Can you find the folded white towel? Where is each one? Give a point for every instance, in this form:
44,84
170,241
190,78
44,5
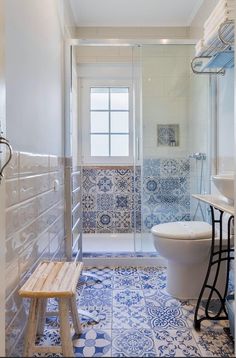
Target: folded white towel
224,17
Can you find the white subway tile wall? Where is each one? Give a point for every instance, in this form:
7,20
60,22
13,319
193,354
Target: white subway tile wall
34,226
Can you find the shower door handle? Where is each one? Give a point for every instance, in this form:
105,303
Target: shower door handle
5,142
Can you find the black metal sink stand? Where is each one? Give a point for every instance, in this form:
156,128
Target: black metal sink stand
217,256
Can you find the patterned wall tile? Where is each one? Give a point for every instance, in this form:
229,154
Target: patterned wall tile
160,194
169,168
105,221
105,181
122,221
89,202
123,181
123,202
89,180
89,221
151,167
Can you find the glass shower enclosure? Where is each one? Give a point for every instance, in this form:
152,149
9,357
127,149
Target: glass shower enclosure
171,155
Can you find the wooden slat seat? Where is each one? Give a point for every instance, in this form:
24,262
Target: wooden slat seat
52,280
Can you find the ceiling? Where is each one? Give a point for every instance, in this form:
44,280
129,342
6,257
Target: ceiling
136,13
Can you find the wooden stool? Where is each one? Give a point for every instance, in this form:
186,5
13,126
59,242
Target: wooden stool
52,280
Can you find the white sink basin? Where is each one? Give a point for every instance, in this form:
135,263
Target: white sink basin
225,184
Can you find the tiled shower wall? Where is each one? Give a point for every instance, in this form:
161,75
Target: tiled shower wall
166,191
114,200
109,195
35,228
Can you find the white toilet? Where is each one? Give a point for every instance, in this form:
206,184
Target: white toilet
186,247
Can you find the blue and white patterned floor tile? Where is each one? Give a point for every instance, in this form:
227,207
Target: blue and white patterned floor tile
126,278
93,343
133,343
128,298
138,318
214,343
130,317
176,343
92,297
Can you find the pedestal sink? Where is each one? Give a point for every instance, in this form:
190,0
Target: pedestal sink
225,184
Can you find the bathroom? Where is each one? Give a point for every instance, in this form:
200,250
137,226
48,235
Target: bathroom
64,195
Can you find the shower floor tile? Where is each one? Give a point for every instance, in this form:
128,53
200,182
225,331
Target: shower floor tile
138,318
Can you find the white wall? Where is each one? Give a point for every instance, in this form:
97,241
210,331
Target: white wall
165,86
34,76
226,122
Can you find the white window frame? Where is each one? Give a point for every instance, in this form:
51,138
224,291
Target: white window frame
86,85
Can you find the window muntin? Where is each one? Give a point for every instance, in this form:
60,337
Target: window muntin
109,121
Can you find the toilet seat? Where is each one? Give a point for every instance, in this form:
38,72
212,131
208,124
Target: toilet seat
183,230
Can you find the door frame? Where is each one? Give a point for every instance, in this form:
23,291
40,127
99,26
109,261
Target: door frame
2,185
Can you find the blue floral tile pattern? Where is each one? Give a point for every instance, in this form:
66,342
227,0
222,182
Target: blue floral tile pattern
130,317
105,202
128,298
137,322
126,279
96,298
133,343
104,221
162,186
122,221
166,317
93,343
213,343
89,202
179,343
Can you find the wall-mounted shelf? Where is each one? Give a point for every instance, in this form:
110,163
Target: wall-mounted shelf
218,54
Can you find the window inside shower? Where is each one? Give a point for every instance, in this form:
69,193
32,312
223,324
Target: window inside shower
160,121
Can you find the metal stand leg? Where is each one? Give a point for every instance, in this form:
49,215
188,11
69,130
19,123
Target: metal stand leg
217,256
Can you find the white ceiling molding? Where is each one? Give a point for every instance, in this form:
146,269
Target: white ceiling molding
134,13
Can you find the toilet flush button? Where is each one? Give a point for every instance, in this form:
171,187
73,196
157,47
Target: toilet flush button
56,185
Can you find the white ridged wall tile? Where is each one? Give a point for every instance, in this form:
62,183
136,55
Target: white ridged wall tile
12,192
34,217
12,221
12,169
33,164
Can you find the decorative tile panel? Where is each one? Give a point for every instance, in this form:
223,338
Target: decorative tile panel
160,195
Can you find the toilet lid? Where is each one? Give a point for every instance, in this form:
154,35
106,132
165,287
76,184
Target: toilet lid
183,230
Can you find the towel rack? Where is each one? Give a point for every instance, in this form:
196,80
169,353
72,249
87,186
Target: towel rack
223,42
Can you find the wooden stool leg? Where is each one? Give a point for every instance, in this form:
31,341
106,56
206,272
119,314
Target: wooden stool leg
42,316
31,328
75,316
66,341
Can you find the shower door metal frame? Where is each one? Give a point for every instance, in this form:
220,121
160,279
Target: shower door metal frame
135,43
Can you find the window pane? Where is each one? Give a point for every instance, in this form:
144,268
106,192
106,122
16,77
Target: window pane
99,98
99,122
120,98
120,122
99,145
120,145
